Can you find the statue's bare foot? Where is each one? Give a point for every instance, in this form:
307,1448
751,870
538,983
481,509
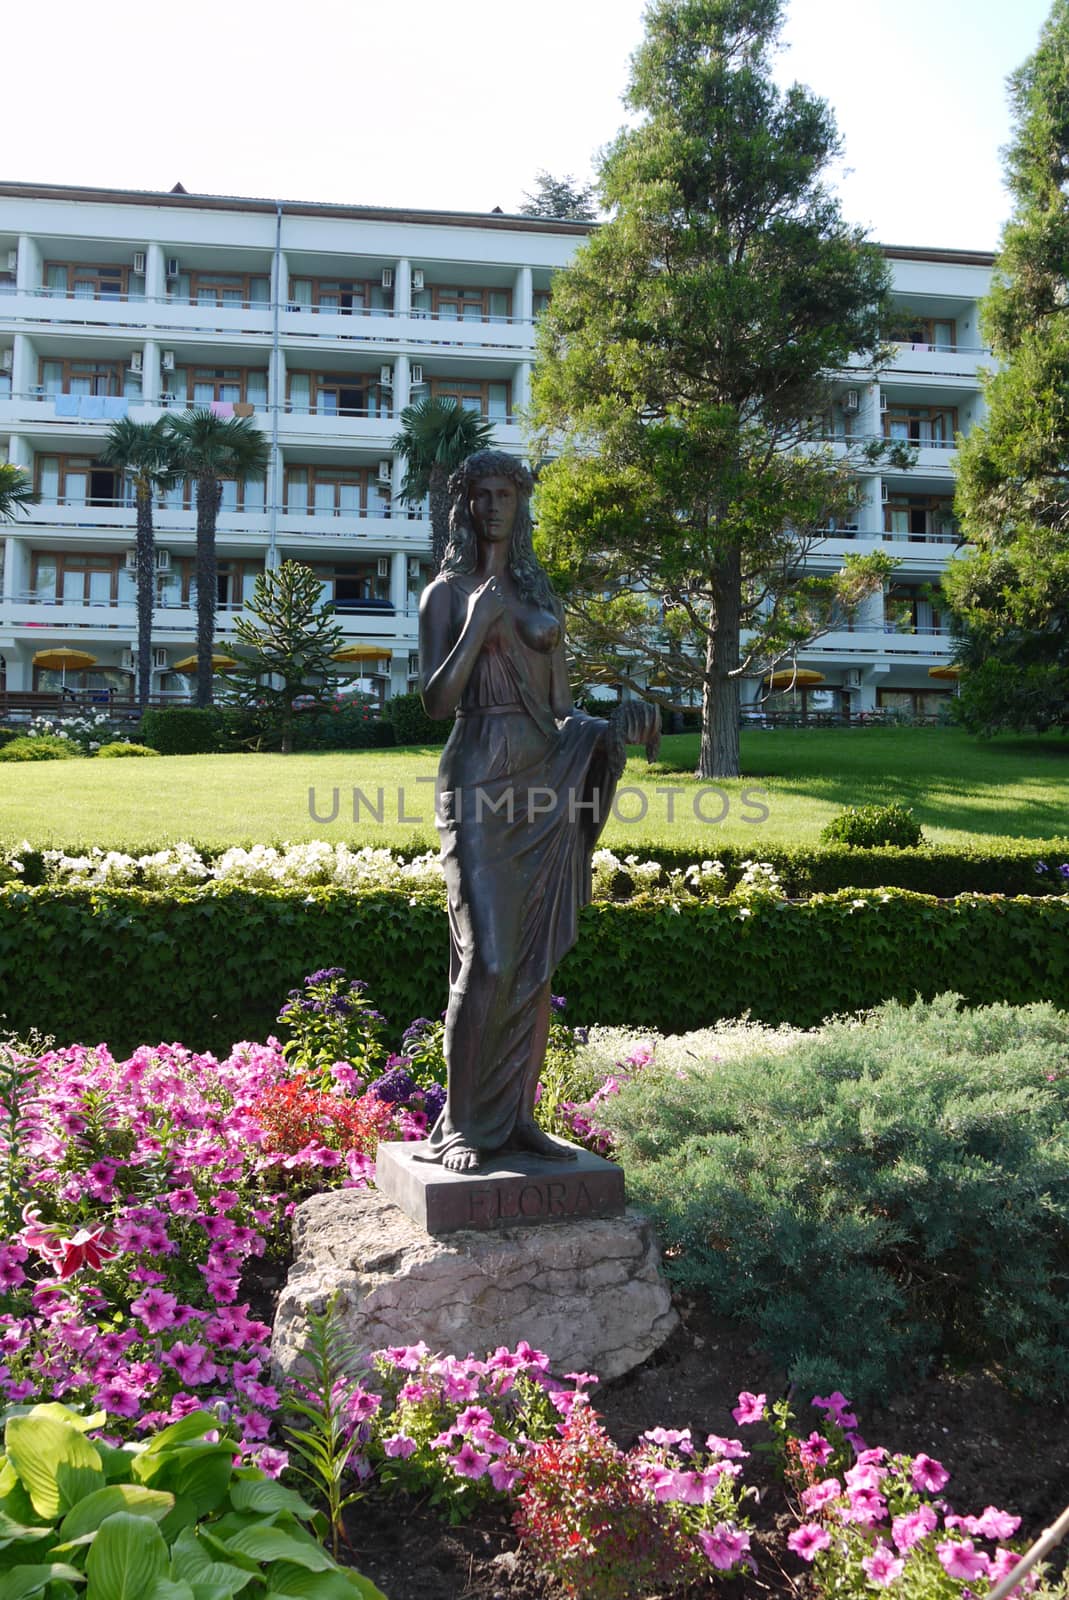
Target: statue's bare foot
529,1136
462,1158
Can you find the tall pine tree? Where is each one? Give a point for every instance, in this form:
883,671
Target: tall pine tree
1011,595
683,369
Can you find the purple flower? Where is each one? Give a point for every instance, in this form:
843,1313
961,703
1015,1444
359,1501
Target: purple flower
398,1445
557,1003
395,1086
324,975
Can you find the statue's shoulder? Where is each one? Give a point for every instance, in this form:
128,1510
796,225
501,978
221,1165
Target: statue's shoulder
438,596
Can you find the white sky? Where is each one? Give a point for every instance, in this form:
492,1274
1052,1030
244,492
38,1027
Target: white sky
456,106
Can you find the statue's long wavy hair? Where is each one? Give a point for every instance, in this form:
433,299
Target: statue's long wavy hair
461,553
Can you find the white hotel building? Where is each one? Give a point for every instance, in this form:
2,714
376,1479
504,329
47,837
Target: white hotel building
323,322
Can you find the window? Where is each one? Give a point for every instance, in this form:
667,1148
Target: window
109,378
462,305
492,400
74,281
924,333
328,492
340,296
325,394
217,386
79,481
75,578
912,608
235,582
355,587
221,289
928,427
420,574
921,518
539,301
916,702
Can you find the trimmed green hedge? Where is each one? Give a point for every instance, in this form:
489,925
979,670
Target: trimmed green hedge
210,966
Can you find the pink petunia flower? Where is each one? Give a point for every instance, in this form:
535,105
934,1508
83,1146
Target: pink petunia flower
726,1546
883,1566
751,1408
271,1461
910,1529
928,1474
960,1560
469,1462
820,1494
399,1446
155,1308
808,1540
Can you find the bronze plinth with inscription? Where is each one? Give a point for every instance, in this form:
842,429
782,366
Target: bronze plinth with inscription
509,1190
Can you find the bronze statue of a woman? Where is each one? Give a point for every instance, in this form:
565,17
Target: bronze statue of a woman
525,785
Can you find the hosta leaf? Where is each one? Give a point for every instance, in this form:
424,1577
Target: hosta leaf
271,1544
265,1495
20,1582
89,1513
190,1560
297,1583
126,1558
56,1463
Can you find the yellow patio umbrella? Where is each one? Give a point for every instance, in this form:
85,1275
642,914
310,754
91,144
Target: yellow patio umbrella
62,657
219,663
802,679
362,652
950,671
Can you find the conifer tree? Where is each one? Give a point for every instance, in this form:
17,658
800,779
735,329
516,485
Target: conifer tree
288,643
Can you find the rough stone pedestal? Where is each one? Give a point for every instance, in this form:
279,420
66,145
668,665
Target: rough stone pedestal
590,1293
509,1190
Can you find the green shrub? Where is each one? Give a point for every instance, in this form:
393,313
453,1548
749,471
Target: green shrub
6,735
119,748
209,965
173,1517
411,724
347,726
875,1199
183,730
867,827
45,747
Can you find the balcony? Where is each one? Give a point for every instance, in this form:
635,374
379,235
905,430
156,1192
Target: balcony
884,643
939,360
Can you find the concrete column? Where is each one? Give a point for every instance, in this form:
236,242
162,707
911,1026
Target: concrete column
150,372
870,509
523,296
16,569
20,451
7,590
402,287
280,286
28,271
399,583
155,274
521,387
19,671
402,388
23,365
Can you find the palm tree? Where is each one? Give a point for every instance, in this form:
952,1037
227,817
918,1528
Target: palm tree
144,451
210,448
435,437
17,492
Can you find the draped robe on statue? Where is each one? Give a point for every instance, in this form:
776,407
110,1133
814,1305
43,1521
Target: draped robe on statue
522,799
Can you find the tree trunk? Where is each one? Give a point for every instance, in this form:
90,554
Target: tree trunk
718,756
209,493
145,552
439,494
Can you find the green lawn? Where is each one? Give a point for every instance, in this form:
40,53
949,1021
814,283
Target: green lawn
958,787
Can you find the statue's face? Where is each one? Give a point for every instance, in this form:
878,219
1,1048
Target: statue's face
492,502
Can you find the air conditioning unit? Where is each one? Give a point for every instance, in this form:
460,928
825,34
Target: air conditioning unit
12,261
174,267
137,361
384,567
387,277
386,377
163,561
418,279
385,474
851,400
7,360
167,361
129,661
883,402
139,263
885,493
852,678
415,375
131,561
159,658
